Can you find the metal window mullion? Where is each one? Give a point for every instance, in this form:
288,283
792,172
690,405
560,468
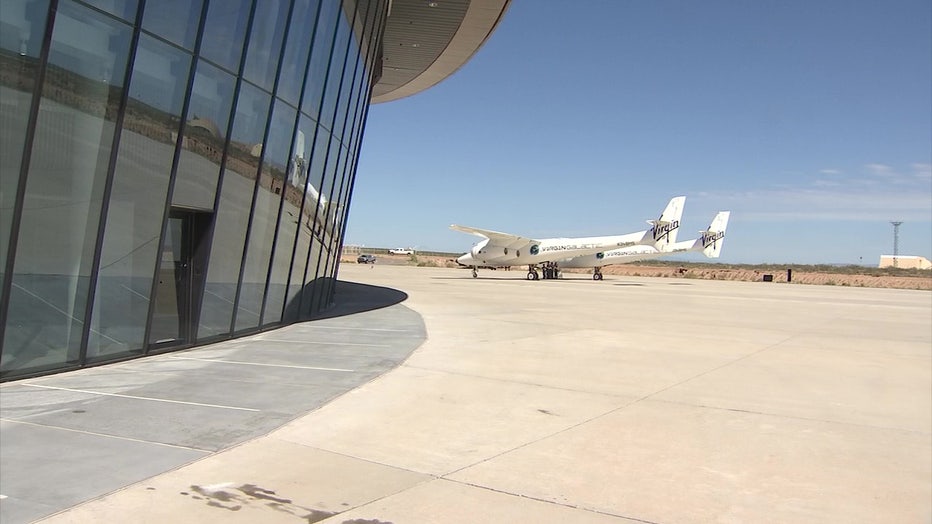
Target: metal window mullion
363,99
313,140
20,199
320,106
333,259
346,53
281,200
239,79
255,189
237,88
108,189
176,158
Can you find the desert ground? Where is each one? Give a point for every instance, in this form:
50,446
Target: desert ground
814,275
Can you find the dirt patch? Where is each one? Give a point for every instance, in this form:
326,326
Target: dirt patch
706,272
753,275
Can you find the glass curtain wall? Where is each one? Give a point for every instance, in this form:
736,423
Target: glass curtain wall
172,166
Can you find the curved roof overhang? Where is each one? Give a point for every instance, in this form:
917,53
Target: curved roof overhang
426,41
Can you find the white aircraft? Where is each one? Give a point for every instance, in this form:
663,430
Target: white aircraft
709,243
504,249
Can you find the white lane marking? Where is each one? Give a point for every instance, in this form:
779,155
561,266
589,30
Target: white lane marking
93,433
2,497
141,398
322,343
261,364
364,329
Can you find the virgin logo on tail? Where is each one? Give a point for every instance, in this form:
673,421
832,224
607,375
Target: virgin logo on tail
661,231
710,236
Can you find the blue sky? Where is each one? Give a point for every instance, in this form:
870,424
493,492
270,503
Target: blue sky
810,121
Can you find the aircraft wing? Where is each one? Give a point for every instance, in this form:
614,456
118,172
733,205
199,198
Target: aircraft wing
498,238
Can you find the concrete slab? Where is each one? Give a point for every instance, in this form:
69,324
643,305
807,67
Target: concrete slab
663,462
73,437
436,423
264,481
630,399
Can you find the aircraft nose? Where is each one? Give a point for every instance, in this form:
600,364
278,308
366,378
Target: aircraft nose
466,260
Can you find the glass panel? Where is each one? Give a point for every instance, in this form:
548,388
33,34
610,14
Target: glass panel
339,208
305,221
170,292
225,31
173,20
21,26
324,225
137,200
265,217
312,219
320,57
347,86
335,72
288,221
68,170
265,42
125,9
202,146
239,178
296,49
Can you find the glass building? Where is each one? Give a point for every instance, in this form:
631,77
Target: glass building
177,172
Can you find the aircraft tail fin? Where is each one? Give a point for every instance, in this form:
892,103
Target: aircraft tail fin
664,229
713,238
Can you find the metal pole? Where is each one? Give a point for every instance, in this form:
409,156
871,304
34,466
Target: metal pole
896,242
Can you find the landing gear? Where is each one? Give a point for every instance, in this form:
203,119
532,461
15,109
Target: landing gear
548,270
475,273
597,273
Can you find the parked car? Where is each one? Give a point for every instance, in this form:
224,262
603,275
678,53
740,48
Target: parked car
366,259
401,251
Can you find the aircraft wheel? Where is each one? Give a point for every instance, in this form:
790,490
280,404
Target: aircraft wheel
597,276
532,275
475,273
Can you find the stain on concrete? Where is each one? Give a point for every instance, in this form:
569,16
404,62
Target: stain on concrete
317,515
258,493
233,497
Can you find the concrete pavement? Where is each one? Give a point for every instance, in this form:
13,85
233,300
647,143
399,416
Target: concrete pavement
626,400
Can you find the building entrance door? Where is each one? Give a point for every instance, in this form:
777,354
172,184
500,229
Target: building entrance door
180,280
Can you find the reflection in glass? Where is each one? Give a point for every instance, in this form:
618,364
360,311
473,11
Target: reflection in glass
288,221
202,145
125,9
65,184
303,220
239,179
335,72
264,217
137,200
22,23
297,47
283,186
320,58
348,85
323,223
265,42
174,20
224,32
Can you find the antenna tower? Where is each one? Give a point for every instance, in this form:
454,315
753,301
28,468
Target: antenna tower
896,242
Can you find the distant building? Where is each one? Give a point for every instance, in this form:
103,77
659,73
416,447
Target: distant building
905,262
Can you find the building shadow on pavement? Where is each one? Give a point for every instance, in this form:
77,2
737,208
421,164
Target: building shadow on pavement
351,297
